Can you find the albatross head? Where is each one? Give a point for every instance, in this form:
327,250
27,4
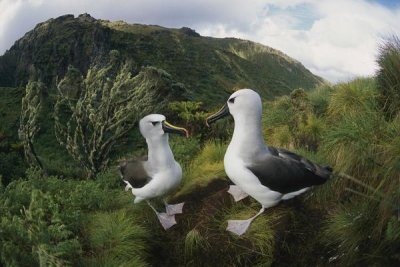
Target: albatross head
154,126
244,103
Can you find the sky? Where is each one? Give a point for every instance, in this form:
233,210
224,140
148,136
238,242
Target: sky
335,39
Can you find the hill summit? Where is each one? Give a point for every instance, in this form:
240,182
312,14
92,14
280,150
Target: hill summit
207,67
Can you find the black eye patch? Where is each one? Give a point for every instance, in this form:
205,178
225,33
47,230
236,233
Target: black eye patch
155,123
232,100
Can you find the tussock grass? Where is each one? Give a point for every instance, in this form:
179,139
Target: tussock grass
350,231
351,144
260,236
196,245
355,97
320,98
205,167
388,76
115,239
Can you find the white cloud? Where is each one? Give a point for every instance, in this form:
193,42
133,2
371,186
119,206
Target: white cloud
8,10
341,42
334,39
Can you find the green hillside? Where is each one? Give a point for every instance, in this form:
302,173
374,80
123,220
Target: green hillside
208,67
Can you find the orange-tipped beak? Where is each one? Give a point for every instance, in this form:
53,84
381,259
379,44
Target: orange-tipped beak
169,128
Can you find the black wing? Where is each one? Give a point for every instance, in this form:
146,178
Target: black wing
134,172
284,171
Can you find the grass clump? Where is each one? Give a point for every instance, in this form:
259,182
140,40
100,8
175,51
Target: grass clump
388,76
115,239
257,246
205,167
196,245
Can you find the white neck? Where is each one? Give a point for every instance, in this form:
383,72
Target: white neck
247,140
159,152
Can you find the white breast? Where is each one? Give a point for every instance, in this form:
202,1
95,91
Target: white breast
236,170
163,181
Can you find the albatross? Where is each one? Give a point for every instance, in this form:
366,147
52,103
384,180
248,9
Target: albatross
266,173
160,173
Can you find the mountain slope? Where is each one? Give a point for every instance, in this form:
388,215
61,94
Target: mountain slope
208,67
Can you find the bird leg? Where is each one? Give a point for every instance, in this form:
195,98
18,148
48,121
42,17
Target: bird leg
239,227
167,221
237,193
173,209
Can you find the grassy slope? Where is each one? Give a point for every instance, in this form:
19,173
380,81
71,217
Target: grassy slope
209,66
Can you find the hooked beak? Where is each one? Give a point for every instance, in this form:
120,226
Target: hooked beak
223,112
169,128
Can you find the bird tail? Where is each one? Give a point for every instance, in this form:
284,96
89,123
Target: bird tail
328,168
121,168
324,172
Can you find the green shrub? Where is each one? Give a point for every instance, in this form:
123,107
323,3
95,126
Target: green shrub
184,149
319,99
42,217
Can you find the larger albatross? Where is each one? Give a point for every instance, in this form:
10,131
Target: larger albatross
160,173
266,173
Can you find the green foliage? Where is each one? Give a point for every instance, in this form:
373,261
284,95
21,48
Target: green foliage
43,219
55,221
388,76
352,230
111,100
256,246
12,163
195,246
37,234
355,97
29,120
11,166
351,134
319,99
207,66
346,227
205,167
351,143
190,113
115,239
184,149
290,122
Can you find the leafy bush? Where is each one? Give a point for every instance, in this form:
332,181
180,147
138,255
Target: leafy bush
184,149
43,218
12,166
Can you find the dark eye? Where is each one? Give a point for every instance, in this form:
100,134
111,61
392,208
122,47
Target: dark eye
232,100
155,123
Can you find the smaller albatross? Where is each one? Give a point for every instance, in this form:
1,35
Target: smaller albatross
267,174
160,173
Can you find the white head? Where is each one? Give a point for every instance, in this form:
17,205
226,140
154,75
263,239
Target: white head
154,126
243,104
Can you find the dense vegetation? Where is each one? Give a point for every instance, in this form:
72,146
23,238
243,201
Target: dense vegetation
58,213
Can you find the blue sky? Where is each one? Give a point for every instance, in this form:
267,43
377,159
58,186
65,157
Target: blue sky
387,3
336,39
